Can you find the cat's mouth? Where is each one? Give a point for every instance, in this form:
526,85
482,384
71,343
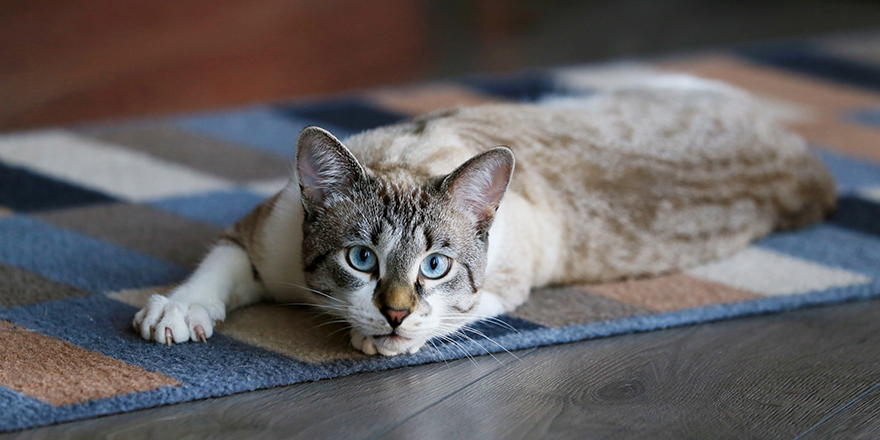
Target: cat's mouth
393,336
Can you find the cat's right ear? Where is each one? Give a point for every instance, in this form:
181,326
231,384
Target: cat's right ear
479,184
324,166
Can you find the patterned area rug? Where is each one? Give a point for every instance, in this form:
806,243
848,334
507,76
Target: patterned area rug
93,219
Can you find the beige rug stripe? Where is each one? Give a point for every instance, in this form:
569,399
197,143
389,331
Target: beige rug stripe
4,211
670,293
416,100
791,87
562,306
61,373
298,332
829,131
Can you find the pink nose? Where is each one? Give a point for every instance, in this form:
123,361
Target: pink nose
395,316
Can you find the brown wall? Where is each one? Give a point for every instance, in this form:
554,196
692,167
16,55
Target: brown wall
65,61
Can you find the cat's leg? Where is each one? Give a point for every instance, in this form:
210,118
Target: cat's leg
225,280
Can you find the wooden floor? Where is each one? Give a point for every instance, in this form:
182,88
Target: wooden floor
811,374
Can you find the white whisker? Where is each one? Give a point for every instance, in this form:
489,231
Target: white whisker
481,334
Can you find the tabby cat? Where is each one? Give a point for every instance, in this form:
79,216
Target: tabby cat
411,230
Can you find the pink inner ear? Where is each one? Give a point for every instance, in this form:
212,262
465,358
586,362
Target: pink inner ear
323,164
480,183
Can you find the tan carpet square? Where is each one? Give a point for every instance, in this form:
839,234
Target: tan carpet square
822,95
561,306
416,100
673,292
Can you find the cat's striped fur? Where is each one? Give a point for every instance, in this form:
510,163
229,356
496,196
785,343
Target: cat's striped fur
628,183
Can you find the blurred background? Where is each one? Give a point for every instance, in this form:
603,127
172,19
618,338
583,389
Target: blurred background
70,61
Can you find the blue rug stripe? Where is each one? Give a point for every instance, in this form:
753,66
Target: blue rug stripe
869,117
22,190
257,127
522,86
811,60
79,260
219,208
18,411
850,174
351,114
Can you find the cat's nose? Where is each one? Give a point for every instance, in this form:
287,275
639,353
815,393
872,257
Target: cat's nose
395,317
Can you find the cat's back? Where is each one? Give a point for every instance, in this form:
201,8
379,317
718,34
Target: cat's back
640,180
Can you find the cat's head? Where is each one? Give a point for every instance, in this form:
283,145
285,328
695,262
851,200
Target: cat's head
400,255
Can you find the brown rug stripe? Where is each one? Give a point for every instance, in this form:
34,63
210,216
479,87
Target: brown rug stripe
822,95
203,153
829,131
4,211
141,228
61,373
297,332
673,292
561,306
20,287
416,100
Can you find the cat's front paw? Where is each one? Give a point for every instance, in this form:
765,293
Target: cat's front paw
391,347
166,321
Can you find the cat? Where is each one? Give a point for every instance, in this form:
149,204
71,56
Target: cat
411,230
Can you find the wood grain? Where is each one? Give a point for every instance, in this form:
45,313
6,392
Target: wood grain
855,421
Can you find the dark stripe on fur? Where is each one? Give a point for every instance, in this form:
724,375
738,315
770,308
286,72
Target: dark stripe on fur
312,265
470,277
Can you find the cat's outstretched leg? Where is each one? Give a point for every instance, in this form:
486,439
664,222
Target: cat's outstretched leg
224,280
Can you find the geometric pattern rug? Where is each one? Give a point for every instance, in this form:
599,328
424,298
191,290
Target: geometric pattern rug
95,218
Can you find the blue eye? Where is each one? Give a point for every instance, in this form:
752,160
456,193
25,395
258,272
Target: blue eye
361,258
435,266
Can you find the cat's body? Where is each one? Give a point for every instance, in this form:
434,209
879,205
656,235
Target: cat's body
629,183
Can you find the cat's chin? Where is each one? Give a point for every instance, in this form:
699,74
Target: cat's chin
386,345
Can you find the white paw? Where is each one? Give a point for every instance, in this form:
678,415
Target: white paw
370,345
166,321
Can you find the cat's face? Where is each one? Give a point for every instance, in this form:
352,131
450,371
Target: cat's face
399,256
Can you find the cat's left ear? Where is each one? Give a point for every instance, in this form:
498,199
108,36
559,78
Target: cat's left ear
479,184
324,166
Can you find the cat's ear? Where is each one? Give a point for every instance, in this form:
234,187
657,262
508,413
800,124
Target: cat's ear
324,166
479,184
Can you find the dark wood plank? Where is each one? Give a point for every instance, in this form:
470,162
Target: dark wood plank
763,377
857,420
350,407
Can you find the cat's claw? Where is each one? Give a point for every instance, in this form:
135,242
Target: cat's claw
166,321
200,333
